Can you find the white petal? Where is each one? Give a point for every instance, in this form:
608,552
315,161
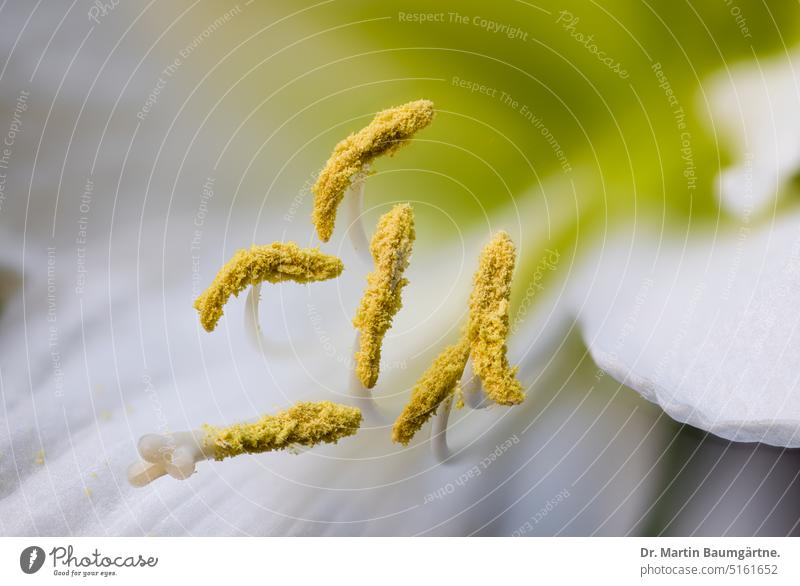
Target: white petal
756,109
708,330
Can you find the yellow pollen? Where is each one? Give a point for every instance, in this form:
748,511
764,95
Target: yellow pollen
388,131
304,424
489,324
391,248
273,263
437,385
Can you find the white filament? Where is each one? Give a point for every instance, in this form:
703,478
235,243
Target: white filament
252,327
355,210
252,323
472,389
474,398
441,451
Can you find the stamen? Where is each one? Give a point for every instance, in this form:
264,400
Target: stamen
388,131
391,248
489,323
462,372
437,384
274,263
304,424
478,362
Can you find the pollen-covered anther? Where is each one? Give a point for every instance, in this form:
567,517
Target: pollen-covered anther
488,326
437,385
388,131
305,424
273,263
391,248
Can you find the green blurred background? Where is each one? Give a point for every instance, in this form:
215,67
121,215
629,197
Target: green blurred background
283,83
335,63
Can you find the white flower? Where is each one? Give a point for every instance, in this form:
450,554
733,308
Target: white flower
100,349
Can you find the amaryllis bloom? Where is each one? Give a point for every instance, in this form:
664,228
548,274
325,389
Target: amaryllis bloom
603,229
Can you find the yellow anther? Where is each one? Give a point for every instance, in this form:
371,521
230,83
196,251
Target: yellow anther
484,343
489,324
437,385
273,263
391,248
388,131
304,424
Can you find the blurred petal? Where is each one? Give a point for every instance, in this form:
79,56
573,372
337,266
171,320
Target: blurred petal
756,108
